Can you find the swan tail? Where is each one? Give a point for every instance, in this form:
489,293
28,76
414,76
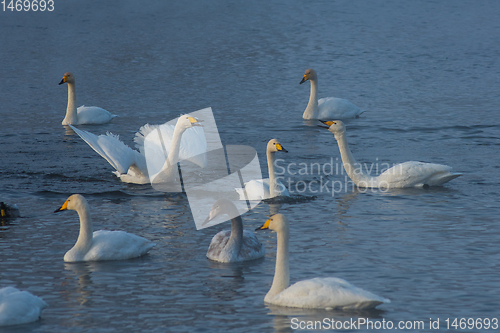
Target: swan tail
363,305
448,177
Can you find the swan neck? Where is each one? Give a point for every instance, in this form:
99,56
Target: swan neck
173,154
236,238
281,279
272,175
71,114
353,169
84,241
311,111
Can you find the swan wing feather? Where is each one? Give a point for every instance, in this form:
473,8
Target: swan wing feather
414,173
325,293
337,108
112,149
93,115
117,245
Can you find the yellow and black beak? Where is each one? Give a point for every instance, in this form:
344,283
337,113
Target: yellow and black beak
64,79
327,123
194,121
63,207
305,78
281,148
264,226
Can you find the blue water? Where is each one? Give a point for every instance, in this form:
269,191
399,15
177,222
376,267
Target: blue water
426,72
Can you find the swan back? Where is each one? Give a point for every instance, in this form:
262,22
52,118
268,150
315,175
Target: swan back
325,293
19,307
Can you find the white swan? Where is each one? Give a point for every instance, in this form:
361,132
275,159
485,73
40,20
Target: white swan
130,164
407,174
259,189
329,107
317,293
102,244
236,244
19,307
84,114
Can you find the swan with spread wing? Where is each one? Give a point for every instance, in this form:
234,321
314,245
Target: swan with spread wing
185,141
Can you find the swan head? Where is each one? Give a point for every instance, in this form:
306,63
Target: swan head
186,121
68,78
74,202
334,126
274,145
310,74
221,207
277,222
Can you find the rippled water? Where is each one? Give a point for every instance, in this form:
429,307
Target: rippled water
426,72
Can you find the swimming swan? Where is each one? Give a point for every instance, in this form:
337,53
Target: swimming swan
130,164
84,114
236,244
19,307
329,107
102,244
259,189
407,174
317,293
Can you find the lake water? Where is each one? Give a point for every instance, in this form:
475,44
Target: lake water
426,72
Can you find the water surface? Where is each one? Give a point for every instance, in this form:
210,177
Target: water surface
426,72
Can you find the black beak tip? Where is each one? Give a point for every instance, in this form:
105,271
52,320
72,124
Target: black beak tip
58,210
62,81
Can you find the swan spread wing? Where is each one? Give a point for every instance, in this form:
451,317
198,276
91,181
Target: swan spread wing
109,146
